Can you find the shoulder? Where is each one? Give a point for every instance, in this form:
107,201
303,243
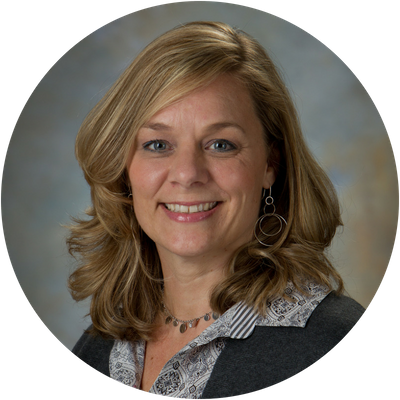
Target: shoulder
274,353
336,313
94,351
328,323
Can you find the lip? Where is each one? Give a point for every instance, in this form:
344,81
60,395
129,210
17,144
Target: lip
189,203
184,217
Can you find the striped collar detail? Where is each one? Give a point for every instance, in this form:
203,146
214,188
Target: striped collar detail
243,321
293,311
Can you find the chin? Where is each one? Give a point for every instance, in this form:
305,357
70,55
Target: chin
189,248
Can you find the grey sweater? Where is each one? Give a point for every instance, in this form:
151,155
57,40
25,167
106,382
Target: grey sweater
270,355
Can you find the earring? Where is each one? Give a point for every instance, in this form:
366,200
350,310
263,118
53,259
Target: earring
269,202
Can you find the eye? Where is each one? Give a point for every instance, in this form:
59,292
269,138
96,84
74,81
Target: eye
222,145
157,146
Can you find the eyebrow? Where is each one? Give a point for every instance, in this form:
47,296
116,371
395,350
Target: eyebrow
158,126
222,125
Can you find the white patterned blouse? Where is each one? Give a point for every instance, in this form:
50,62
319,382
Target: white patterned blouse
186,374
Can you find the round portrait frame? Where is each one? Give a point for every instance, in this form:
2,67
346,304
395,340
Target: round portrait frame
43,185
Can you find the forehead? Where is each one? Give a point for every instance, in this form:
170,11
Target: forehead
224,98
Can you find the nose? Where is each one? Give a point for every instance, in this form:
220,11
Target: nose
188,167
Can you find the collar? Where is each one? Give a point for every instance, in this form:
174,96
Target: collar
280,312
240,320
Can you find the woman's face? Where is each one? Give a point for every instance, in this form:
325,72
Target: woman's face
197,172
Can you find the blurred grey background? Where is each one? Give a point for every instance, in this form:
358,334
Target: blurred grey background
43,185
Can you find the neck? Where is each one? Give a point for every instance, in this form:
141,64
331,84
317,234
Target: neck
188,284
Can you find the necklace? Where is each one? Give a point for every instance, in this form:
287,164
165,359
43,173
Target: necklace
192,323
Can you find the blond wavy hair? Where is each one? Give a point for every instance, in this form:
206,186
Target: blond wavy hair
119,267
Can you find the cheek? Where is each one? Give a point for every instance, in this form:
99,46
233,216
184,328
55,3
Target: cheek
242,177
244,190
144,185
145,179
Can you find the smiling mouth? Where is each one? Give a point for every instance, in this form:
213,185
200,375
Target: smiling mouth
179,208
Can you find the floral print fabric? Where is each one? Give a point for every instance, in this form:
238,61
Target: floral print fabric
186,374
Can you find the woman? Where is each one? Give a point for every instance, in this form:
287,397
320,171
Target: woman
208,226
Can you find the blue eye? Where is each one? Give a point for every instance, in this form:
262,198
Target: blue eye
222,145
156,146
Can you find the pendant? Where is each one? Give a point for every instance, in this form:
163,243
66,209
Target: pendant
183,328
193,324
215,315
175,323
168,320
207,317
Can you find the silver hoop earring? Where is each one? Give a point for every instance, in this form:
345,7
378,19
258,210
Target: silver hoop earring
269,202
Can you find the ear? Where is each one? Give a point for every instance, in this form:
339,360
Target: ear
271,169
269,176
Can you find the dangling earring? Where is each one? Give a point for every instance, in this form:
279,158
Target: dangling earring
269,202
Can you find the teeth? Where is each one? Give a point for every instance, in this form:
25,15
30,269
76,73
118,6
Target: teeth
191,209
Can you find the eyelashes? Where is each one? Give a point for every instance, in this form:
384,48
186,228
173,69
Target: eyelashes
157,146
222,145
216,145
